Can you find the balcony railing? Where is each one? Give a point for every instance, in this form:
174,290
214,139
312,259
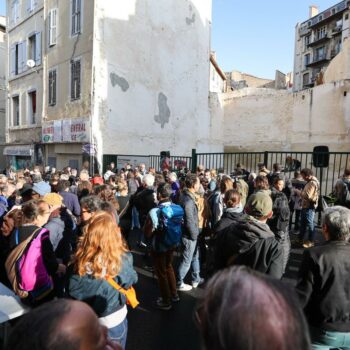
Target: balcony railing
319,40
318,60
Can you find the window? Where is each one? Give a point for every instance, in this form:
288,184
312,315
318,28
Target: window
32,107
52,87
320,33
306,60
31,4
76,17
306,79
346,16
34,48
18,58
307,40
319,53
53,27
15,110
75,80
14,12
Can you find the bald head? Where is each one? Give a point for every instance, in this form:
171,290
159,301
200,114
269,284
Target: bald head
59,325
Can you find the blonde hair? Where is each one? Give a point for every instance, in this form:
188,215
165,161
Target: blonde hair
101,247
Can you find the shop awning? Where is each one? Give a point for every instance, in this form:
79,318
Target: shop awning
19,150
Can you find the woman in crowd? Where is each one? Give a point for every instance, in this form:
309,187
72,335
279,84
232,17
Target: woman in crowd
35,214
233,210
102,254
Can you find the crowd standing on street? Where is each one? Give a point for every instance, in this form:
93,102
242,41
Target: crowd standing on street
67,239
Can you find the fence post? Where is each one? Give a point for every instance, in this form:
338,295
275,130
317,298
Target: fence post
266,158
194,160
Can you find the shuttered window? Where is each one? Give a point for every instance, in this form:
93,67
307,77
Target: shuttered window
76,17
53,27
75,79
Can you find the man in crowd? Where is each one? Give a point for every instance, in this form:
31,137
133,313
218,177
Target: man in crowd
342,190
249,241
324,280
190,254
70,200
309,196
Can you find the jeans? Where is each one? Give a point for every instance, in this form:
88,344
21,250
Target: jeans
326,340
297,220
189,258
307,226
119,333
163,264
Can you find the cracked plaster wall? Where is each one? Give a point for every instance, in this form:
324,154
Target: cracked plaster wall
268,120
151,76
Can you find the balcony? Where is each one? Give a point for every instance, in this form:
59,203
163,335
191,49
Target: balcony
319,40
320,59
336,30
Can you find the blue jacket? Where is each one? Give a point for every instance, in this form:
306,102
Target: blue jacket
98,293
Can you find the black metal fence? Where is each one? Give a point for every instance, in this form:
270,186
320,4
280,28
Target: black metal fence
227,163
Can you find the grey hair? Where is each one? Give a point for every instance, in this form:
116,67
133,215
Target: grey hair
148,180
172,176
337,220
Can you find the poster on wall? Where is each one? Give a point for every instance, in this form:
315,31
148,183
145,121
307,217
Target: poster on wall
57,131
66,137
47,132
67,130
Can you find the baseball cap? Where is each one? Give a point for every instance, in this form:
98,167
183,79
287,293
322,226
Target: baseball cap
41,188
259,204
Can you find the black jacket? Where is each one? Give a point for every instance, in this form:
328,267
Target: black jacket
324,286
249,242
281,213
144,201
190,228
227,219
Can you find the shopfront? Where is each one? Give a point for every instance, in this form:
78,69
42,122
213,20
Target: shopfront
20,156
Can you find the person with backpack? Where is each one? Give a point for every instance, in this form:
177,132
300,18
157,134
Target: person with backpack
342,190
38,264
164,227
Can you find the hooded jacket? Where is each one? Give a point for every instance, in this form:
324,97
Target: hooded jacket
251,243
230,216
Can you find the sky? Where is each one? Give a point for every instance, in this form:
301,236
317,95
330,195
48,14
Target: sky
256,36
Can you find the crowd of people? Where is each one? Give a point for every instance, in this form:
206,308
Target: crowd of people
66,242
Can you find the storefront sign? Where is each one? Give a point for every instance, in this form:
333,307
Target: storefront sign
67,130
23,150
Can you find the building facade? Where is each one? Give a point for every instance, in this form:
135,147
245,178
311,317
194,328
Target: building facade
92,77
317,41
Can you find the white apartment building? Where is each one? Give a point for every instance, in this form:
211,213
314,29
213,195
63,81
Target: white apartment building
89,78
317,41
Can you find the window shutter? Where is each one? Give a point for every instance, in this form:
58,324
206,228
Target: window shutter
29,6
54,87
53,27
38,48
24,56
20,57
73,16
78,75
78,16
72,79
13,61
17,10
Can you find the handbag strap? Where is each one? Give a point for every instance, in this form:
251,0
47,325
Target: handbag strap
115,285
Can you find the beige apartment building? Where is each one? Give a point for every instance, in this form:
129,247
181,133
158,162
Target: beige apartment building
317,41
3,87
93,77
